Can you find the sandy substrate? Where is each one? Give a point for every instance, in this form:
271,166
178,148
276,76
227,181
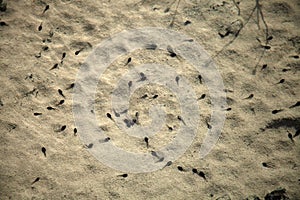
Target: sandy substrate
254,154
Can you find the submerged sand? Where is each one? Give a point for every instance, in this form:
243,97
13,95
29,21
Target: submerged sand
256,53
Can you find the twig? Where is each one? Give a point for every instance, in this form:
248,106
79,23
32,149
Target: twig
174,15
266,25
257,6
237,34
237,6
259,14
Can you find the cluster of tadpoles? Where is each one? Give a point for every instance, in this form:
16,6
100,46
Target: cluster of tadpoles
130,123
60,91
199,173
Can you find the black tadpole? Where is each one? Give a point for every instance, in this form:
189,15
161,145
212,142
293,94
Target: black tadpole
109,116
129,84
170,128
36,180
276,111
169,163
177,80
89,146
264,164
171,51
201,174
295,105
144,96
44,151
250,96
50,108
55,66
200,78
281,81
77,52
128,61
180,168
155,96
143,77
46,8
153,153
116,113
104,140
75,131
180,119
63,55
187,22
208,125
61,93
264,66
146,139
137,115
63,128
60,102
202,96
123,175
70,86
40,26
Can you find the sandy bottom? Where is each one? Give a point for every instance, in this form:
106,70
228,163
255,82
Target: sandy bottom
256,49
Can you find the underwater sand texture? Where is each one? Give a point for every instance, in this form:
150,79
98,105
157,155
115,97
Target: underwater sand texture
256,49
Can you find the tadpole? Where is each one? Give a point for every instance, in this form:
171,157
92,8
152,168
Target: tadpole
46,8
250,96
177,80
276,111
63,128
40,26
61,93
55,66
146,139
123,175
70,86
36,180
128,61
180,119
109,116
44,151
169,163
295,105
171,51
202,96
201,174
60,102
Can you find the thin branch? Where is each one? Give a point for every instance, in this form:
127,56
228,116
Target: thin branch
174,15
237,34
260,58
257,6
266,25
259,14
237,6
266,37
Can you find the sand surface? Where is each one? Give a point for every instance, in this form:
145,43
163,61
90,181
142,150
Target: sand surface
254,154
